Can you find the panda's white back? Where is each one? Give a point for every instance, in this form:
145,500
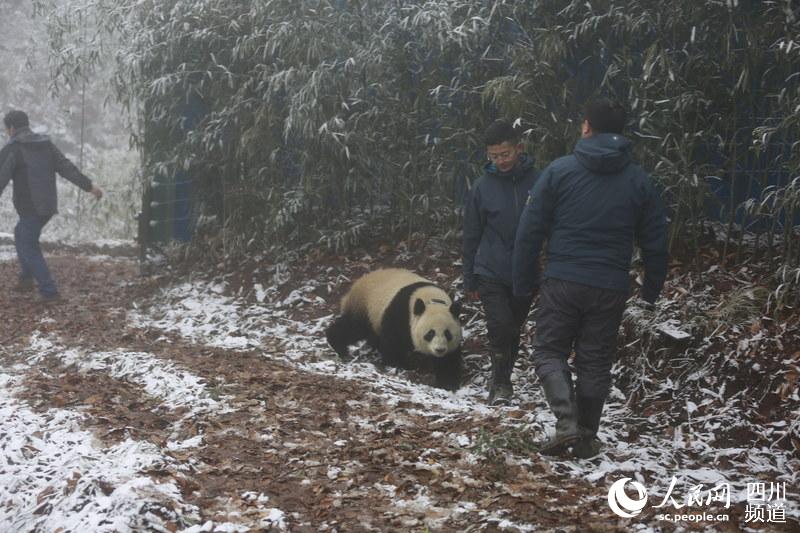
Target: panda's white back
372,293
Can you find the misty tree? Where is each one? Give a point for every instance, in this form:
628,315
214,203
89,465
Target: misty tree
81,115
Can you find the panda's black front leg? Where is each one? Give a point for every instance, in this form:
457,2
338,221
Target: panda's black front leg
343,332
394,355
447,371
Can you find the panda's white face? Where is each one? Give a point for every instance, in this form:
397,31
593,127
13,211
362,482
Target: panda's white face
435,331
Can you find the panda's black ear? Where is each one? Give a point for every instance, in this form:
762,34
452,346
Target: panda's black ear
455,308
419,307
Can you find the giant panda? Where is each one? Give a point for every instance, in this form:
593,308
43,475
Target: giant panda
401,313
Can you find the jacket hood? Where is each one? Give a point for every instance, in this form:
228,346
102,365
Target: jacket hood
25,135
525,163
604,153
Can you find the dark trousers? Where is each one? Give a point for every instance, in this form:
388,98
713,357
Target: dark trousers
29,252
583,318
505,316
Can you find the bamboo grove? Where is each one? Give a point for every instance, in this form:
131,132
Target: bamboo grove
322,122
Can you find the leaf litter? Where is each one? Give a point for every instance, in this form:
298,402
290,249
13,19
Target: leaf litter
260,427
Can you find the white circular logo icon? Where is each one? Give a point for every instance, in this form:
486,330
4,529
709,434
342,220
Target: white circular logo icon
621,504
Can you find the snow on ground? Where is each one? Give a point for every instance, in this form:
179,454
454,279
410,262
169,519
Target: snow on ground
203,313
290,329
53,477
175,387
7,253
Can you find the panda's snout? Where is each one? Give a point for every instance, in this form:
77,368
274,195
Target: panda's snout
441,351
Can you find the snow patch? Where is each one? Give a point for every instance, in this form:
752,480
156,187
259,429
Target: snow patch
176,387
201,313
53,477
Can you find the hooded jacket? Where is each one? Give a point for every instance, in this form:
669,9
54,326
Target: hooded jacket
490,221
31,161
591,207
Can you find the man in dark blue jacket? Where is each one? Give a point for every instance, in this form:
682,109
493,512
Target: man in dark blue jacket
590,207
31,161
490,224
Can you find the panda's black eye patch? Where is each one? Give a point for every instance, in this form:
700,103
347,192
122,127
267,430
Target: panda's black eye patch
429,336
448,335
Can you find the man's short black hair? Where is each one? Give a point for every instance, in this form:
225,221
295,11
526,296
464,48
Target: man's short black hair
605,115
499,132
16,119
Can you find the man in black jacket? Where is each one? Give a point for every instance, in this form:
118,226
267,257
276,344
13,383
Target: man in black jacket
590,207
490,223
31,161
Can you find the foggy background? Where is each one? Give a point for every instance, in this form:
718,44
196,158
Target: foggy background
65,113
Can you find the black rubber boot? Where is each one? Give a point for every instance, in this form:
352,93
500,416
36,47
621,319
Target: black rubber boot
561,398
589,412
500,388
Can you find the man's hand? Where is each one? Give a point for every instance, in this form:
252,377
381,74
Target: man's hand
97,192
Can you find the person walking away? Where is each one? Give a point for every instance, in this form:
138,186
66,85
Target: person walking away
31,161
590,207
490,224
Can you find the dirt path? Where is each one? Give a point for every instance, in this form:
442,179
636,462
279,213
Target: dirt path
319,446
253,442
